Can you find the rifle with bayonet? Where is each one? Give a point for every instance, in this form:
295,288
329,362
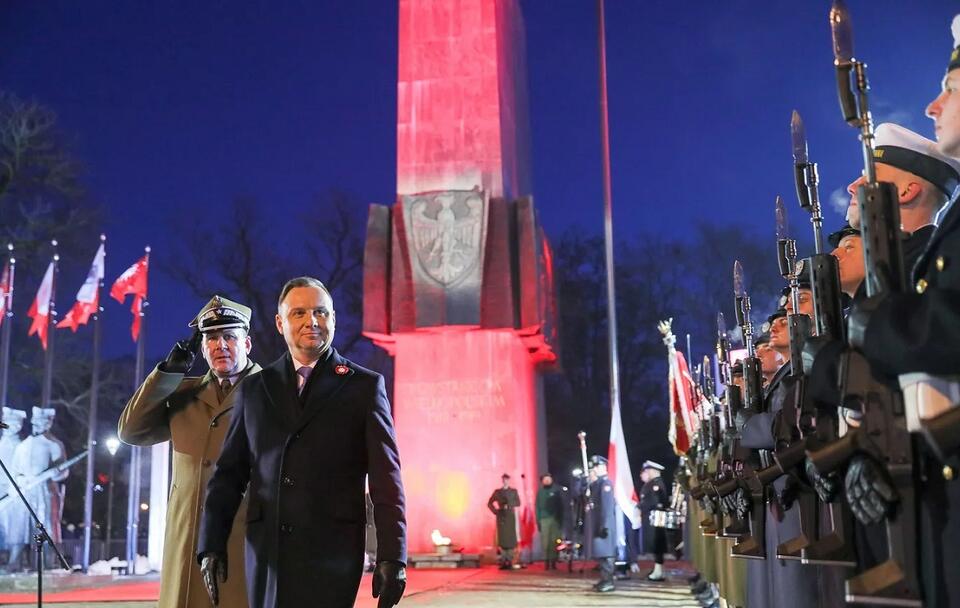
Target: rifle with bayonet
883,434
789,437
821,426
744,481
32,482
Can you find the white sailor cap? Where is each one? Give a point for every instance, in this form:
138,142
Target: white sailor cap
10,413
902,148
649,464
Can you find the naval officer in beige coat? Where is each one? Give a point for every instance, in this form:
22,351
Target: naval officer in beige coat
193,413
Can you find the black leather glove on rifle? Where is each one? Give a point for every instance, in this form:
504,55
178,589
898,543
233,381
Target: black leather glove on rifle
871,496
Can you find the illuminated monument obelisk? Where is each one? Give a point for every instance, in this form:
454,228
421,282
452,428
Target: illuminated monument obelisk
457,273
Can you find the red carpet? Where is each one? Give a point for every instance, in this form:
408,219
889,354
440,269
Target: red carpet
117,592
120,591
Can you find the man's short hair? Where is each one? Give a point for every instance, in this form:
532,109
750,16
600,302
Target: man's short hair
302,282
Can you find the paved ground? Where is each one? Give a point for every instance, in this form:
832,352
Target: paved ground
489,587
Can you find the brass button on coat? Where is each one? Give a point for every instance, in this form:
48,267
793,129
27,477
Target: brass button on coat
948,472
921,285
941,263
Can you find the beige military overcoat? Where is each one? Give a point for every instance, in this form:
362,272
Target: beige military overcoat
187,411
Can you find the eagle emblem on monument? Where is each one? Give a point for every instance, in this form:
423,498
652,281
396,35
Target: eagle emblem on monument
446,229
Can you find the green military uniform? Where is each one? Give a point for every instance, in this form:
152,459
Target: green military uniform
192,413
550,521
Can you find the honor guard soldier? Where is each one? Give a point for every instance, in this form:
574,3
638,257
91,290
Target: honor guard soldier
193,413
602,532
915,337
503,503
653,497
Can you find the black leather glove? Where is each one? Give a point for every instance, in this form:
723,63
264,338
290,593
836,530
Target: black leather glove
182,355
728,504
826,486
859,319
743,503
870,493
389,582
213,569
603,533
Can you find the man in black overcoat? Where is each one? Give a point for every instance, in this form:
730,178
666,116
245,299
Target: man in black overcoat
309,429
603,524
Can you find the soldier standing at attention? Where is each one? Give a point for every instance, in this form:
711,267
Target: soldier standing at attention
503,503
653,497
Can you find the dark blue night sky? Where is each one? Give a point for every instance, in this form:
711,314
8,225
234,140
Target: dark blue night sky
177,107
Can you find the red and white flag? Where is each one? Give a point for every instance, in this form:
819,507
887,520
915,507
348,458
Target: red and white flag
40,309
618,469
683,401
88,298
133,281
6,291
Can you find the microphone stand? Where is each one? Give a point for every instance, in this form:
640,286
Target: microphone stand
39,538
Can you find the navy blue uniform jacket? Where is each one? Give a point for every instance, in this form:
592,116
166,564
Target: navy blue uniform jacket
305,459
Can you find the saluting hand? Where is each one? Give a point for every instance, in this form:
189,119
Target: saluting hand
182,355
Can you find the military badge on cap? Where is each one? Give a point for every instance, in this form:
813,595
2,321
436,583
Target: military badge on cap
341,370
221,313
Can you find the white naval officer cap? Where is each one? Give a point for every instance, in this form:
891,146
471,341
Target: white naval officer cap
649,464
902,148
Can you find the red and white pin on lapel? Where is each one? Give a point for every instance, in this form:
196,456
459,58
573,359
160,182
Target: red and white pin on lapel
341,370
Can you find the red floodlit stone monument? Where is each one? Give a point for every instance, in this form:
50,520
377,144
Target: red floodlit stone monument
458,282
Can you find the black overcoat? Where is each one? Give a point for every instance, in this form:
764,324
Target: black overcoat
305,459
603,516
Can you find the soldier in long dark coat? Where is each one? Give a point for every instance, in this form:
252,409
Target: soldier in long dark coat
503,503
653,497
603,524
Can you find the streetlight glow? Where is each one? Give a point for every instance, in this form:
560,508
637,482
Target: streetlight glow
113,444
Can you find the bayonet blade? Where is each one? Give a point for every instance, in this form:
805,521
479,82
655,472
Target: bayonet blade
799,136
783,228
739,288
842,31
721,326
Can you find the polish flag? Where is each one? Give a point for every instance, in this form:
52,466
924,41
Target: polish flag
133,281
88,298
618,469
6,291
40,309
